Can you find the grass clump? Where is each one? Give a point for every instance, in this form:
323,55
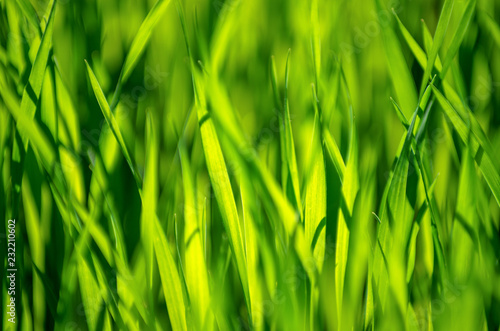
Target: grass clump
255,165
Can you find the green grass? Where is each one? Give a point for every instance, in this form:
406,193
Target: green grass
251,165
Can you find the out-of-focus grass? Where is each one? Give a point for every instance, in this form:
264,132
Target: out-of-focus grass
283,165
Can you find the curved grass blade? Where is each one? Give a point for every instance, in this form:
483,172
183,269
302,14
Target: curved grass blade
139,45
43,147
110,119
32,90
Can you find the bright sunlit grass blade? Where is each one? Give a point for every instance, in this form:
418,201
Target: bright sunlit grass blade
315,204
350,186
171,282
335,155
222,189
217,171
195,265
252,253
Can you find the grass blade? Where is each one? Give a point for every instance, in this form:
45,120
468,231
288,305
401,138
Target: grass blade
196,269
479,144
442,25
170,279
139,45
400,74
110,119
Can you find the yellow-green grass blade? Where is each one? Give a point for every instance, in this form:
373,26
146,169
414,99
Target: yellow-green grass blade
274,84
33,88
491,25
274,199
414,47
316,42
110,119
70,121
458,36
48,108
400,73
91,297
43,147
279,106
361,242
400,114
217,171
195,265
122,315
423,169
255,280
423,172
289,147
170,279
315,205
394,231
30,13
139,45
222,187
142,37
104,194
463,240
428,41
34,227
334,152
479,144
350,187
444,19
149,205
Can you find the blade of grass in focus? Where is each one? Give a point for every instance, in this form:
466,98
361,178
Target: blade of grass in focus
110,119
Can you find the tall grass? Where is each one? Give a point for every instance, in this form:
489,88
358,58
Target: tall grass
251,165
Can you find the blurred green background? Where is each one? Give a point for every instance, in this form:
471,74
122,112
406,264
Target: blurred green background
104,240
